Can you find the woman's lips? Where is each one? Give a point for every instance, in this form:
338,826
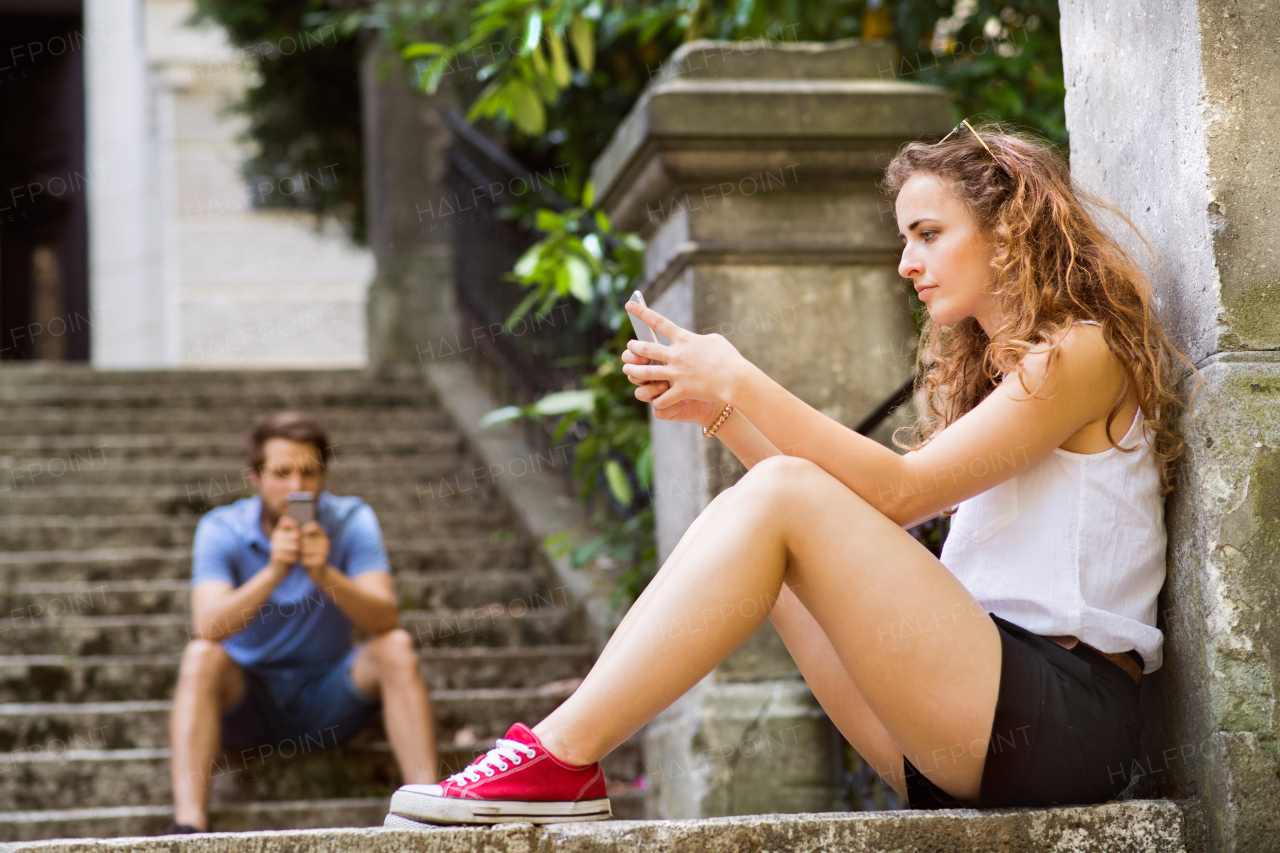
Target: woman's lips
921,291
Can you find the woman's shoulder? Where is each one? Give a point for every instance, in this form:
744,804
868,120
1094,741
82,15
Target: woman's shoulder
1075,352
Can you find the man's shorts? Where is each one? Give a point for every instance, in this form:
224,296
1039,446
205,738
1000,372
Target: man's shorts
291,710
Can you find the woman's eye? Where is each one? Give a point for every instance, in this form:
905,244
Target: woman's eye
928,235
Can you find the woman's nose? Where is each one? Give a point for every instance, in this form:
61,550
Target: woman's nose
909,266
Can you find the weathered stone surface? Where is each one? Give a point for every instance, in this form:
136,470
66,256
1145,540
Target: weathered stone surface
1195,162
776,58
411,299
1134,827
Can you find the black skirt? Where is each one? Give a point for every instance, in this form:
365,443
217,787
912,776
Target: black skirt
1066,729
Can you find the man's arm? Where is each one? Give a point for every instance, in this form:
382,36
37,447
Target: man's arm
365,592
219,610
369,600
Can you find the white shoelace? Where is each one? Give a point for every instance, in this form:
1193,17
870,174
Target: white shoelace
494,760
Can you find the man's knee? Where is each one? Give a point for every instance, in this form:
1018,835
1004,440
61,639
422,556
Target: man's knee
204,660
394,651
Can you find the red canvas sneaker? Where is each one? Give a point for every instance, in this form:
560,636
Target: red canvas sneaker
517,781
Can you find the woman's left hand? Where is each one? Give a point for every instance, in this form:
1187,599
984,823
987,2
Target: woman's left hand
695,367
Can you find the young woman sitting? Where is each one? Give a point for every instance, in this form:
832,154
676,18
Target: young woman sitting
1005,674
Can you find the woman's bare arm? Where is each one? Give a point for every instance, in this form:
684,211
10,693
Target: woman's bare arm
1007,433
743,439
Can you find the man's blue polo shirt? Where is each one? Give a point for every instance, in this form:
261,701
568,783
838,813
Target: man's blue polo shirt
298,625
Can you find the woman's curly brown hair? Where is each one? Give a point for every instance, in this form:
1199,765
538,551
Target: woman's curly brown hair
1052,266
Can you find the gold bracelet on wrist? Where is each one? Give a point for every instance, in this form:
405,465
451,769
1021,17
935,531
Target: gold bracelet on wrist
728,410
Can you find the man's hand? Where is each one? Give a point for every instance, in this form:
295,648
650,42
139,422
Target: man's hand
285,551
314,552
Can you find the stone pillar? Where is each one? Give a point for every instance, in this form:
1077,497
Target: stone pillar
411,301
750,168
1195,162
128,303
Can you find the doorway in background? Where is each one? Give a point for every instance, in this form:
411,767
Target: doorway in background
44,295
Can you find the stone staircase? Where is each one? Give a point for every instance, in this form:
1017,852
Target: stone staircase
103,477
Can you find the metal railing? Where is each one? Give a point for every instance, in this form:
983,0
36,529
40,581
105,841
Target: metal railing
535,355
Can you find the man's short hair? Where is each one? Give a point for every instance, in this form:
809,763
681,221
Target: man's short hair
294,426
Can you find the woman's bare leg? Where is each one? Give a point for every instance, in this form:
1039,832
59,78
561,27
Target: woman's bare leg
921,653
834,689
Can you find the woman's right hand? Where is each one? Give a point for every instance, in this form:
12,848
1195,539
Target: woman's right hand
686,411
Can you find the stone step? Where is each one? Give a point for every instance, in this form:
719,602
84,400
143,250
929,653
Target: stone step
339,421
105,564
34,729
23,602
493,625
85,501
215,396
57,532
126,821
121,678
142,821
288,771
85,450
1136,826
72,374
211,480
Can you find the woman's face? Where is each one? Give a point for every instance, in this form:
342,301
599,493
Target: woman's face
945,253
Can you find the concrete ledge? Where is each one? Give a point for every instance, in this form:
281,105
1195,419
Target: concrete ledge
536,498
1132,827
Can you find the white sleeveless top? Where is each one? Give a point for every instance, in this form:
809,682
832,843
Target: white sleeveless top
1073,545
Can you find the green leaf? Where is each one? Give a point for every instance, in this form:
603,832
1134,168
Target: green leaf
486,103
618,482
559,62
422,48
526,107
560,543
500,416
548,220
430,80
583,41
579,278
589,194
528,261
533,31
564,402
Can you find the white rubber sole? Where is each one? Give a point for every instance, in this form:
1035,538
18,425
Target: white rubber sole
422,807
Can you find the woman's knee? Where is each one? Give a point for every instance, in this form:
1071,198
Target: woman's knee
777,472
788,479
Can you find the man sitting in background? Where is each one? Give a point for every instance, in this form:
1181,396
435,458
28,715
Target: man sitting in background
273,603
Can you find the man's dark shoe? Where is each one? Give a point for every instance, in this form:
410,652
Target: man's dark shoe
175,828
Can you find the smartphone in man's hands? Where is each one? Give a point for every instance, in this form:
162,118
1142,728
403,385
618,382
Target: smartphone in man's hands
302,507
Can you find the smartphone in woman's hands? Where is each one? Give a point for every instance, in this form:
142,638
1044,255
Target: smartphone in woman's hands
640,327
